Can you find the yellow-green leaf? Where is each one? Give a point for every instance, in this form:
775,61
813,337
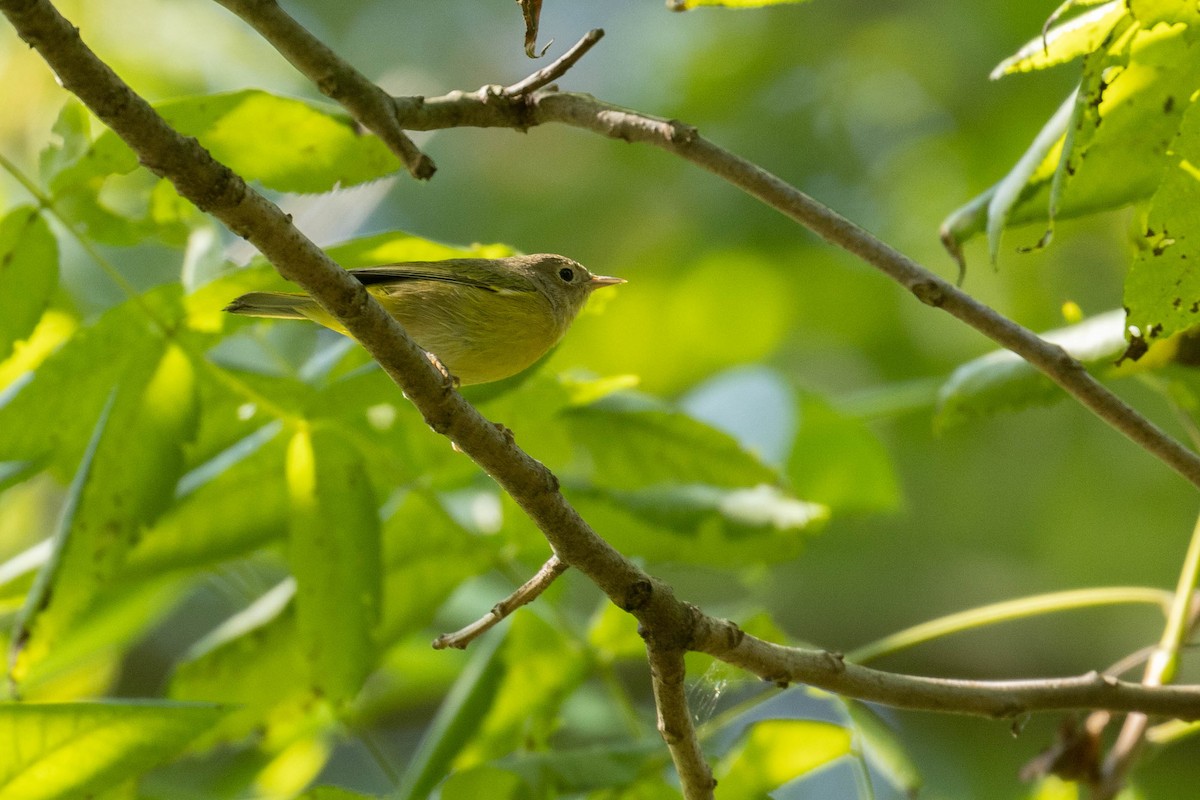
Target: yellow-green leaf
73,750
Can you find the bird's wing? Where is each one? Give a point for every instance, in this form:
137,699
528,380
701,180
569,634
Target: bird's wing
416,271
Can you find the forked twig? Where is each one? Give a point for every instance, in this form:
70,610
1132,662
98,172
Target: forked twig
557,68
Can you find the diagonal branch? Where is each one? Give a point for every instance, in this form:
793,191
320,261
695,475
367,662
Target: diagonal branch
488,109
335,78
668,623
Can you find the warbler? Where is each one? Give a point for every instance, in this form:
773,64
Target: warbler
484,318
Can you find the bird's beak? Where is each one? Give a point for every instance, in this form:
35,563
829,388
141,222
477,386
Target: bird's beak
603,280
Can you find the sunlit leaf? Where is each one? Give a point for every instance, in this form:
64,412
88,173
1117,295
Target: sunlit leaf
112,497
1065,41
1053,788
52,751
285,144
51,331
613,634
1162,288
1136,87
28,274
51,413
778,751
334,553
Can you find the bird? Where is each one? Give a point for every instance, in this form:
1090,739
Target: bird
485,319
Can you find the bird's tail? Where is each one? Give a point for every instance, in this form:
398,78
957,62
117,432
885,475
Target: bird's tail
277,305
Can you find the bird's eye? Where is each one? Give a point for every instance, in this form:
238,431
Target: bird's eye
567,274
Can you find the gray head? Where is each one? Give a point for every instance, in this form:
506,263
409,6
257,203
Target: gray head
566,283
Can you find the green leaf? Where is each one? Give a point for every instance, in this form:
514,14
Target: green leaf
1136,87
50,414
254,663
451,729
1162,288
612,634
334,553
70,139
112,498
28,274
698,524
778,751
392,435
242,506
884,751
651,788
1064,41
1055,788
1171,12
1035,168
542,666
54,751
427,555
838,462
568,771
39,594
485,781
627,446
385,248
333,793
285,144
1003,381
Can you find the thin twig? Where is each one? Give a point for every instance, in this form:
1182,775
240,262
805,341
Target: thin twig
556,69
214,188
667,674
525,593
334,77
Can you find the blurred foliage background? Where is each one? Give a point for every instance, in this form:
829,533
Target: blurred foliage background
881,110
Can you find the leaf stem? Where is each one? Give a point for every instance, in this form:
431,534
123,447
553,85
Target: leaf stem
1008,611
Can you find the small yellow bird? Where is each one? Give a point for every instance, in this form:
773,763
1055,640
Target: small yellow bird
485,319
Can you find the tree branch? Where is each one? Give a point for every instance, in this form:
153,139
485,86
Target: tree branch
526,593
334,77
998,699
667,623
667,674
486,108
